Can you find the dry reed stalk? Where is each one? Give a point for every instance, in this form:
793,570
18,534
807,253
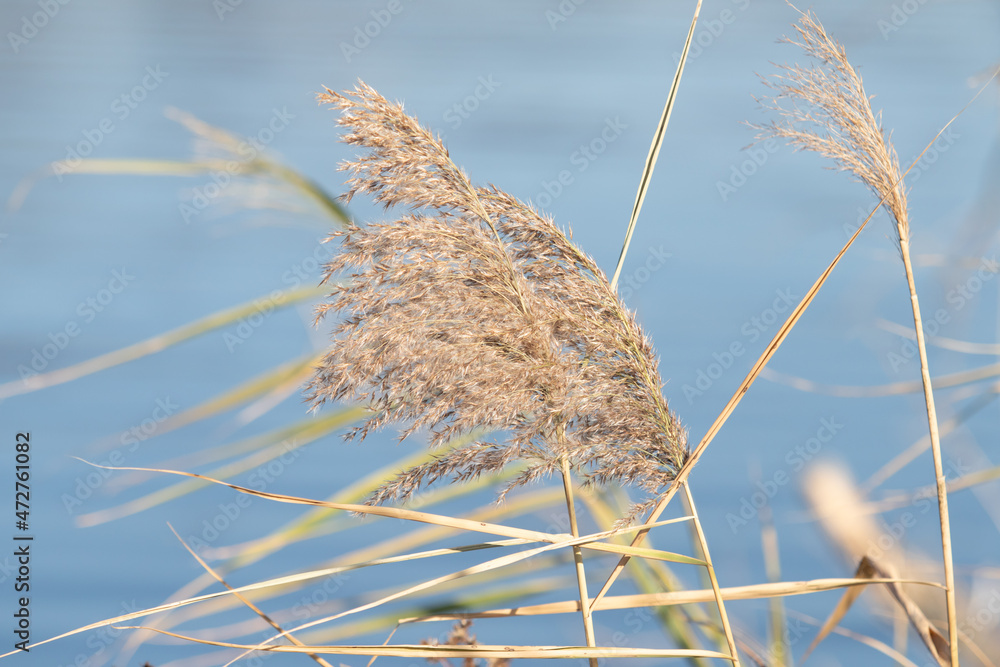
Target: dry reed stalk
713,580
654,148
581,574
836,120
246,601
474,311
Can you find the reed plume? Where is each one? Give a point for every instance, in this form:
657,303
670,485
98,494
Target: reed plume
474,312
828,111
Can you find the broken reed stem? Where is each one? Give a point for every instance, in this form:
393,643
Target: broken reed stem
932,424
581,575
703,544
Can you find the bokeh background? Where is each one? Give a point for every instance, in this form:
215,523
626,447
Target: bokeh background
519,90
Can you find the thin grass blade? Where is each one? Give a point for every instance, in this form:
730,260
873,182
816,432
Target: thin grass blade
157,343
654,148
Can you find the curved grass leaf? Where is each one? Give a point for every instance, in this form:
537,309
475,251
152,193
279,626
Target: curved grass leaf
157,343
266,447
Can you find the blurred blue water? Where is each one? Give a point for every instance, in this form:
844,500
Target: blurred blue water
547,87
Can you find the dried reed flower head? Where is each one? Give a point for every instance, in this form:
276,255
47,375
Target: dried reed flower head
473,312
828,111
460,636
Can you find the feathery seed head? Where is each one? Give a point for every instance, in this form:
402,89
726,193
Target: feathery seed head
827,110
472,311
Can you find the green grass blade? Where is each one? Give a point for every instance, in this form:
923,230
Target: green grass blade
295,372
265,447
654,148
157,343
227,141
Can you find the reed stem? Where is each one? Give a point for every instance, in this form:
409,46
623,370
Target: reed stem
932,424
581,575
703,544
